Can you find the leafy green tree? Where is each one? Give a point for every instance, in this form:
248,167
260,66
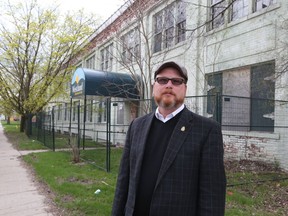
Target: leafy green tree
5,111
36,48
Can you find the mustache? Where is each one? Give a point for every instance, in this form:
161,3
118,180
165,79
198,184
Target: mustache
168,92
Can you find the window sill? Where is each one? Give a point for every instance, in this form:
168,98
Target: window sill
165,50
265,135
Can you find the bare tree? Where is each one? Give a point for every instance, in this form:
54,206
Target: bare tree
282,53
135,49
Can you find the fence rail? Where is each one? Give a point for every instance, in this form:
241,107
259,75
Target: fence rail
253,128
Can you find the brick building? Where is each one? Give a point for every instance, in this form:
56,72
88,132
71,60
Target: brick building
235,48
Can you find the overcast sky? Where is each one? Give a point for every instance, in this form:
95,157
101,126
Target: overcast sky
102,8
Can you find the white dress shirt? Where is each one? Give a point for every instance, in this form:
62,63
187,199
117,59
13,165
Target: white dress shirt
168,117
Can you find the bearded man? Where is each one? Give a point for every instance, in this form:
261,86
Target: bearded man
172,163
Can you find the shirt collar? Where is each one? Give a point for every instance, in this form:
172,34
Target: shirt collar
168,117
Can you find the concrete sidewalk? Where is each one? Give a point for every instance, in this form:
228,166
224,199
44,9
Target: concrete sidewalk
18,194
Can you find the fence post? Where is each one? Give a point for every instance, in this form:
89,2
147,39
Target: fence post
218,107
44,129
53,131
108,133
84,121
78,122
38,124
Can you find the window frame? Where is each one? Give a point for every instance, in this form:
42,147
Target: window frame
102,114
120,113
59,113
181,21
106,58
169,26
214,15
90,62
261,95
130,46
258,2
158,26
65,111
90,110
235,15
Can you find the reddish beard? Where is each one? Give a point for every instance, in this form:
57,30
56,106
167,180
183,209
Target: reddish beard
167,100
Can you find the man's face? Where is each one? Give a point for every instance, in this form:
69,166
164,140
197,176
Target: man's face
169,96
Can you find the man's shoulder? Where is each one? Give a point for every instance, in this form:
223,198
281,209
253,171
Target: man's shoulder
143,118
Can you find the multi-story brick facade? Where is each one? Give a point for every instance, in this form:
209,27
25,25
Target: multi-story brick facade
230,47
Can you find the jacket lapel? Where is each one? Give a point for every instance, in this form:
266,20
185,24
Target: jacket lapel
141,142
177,139
143,134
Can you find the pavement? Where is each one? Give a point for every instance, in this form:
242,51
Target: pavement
18,192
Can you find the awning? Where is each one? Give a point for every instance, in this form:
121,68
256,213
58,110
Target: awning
102,83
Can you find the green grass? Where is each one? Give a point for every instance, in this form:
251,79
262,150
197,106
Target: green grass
257,191
74,184
20,140
258,200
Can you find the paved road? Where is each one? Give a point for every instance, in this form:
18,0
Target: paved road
18,193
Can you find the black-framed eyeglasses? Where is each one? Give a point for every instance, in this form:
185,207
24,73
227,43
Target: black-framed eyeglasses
174,81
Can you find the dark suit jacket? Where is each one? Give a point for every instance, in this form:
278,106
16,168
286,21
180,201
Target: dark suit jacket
191,180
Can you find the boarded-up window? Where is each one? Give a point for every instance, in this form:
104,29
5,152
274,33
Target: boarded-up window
262,94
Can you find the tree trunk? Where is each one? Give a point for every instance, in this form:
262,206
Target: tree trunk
28,125
8,120
22,123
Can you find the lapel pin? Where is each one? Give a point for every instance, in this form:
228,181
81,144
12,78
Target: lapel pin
183,128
